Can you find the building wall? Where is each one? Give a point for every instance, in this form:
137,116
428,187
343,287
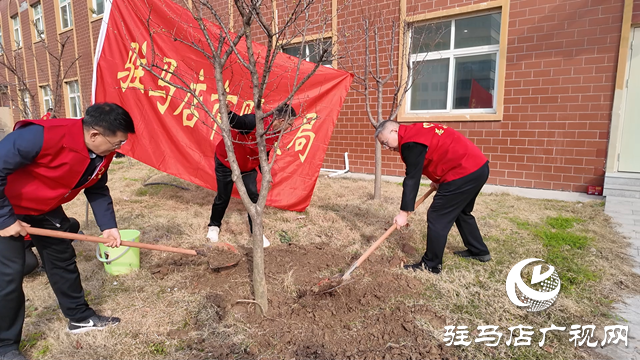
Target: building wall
635,18
561,65
559,80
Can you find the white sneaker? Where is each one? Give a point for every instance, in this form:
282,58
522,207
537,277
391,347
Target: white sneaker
265,241
212,235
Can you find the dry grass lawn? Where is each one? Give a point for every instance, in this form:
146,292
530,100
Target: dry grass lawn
595,268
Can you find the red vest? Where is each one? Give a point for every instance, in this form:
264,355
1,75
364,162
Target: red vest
48,181
245,147
450,155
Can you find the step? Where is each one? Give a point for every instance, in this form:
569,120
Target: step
626,180
630,194
622,204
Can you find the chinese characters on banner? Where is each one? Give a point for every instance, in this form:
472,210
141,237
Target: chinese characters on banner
173,132
521,335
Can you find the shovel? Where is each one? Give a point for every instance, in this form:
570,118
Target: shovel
95,239
332,283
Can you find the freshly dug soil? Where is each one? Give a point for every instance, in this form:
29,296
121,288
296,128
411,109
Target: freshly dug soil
378,315
220,257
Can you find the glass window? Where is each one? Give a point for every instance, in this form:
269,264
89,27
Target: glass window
17,36
98,7
73,90
454,65
310,51
47,99
1,43
38,22
26,104
66,17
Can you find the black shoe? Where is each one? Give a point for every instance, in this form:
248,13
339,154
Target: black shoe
469,255
13,355
96,322
422,267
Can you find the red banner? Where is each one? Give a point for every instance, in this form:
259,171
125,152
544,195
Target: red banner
173,132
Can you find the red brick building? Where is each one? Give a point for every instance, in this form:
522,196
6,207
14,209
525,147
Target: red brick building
554,80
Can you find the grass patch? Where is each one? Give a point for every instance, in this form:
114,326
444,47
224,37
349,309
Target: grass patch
284,237
565,248
158,349
30,341
581,244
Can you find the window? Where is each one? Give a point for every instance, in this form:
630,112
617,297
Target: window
26,104
454,65
66,17
38,22
311,51
17,36
47,98
1,43
98,8
74,99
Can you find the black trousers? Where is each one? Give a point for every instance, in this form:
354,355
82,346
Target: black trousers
59,259
225,187
453,203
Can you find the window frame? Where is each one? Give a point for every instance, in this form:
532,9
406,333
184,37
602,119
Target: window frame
78,97
17,43
39,35
1,42
452,54
469,10
68,5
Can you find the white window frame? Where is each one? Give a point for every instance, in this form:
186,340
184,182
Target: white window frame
66,5
452,55
307,52
74,94
95,8
47,97
17,33
26,102
38,19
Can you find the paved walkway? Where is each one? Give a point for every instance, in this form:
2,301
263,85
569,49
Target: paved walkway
626,212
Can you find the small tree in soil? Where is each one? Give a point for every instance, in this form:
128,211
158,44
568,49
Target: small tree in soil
380,73
13,62
219,47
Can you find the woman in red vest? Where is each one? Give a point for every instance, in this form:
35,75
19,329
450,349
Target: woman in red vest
43,165
456,168
245,148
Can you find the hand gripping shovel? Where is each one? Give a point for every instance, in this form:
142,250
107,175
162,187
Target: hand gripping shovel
95,239
332,283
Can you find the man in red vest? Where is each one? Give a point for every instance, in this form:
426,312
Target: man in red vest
245,148
44,164
456,168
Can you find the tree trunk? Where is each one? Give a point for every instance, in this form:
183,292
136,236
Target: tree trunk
377,188
259,280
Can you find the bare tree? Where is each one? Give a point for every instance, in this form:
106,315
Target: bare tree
380,72
13,62
217,43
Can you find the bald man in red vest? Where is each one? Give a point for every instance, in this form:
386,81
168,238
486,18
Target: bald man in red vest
456,168
43,165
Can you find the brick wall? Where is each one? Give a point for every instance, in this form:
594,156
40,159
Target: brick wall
635,18
560,74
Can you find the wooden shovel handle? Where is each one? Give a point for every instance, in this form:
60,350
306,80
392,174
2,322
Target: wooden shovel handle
382,238
95,239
